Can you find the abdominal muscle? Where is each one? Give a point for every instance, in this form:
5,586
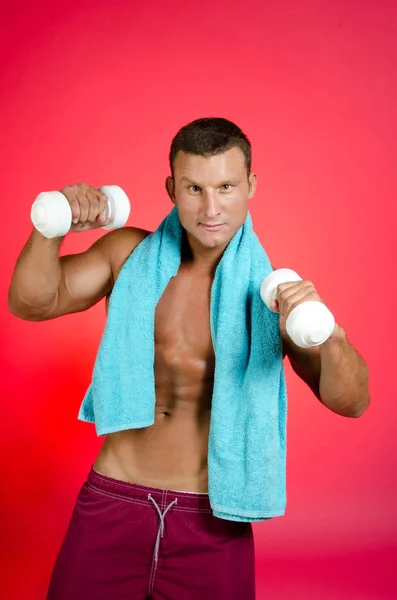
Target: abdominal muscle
172,453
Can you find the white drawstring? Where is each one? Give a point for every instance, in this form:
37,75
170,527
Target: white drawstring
160,531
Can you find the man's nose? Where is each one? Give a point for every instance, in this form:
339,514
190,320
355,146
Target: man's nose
212,205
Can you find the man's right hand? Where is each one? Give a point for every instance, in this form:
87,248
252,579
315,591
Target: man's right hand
88,205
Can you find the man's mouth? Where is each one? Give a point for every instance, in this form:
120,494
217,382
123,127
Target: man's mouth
214,227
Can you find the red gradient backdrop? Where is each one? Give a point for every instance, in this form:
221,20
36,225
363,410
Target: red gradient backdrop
94,91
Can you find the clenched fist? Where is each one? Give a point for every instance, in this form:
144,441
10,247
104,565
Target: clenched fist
88,205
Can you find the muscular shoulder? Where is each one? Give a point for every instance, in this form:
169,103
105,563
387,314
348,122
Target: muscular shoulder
119,243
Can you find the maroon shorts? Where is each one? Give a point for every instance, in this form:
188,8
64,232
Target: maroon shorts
131,542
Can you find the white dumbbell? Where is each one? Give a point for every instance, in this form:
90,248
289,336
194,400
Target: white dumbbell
52,216
308,324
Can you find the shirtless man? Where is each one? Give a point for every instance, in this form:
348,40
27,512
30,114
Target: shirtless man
211,184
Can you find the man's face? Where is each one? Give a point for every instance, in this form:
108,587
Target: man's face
211,191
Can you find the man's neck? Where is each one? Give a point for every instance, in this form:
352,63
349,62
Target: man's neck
200,260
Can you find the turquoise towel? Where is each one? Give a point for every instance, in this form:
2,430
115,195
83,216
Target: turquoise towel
247,441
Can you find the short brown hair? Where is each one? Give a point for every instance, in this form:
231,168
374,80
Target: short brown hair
210,136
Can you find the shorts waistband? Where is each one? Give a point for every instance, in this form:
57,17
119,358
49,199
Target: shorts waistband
187,501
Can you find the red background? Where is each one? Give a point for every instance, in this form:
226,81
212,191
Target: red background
95,91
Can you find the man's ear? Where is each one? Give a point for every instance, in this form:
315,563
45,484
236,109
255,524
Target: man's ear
252,181
170,187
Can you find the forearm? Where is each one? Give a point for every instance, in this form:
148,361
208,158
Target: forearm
344,376
36,276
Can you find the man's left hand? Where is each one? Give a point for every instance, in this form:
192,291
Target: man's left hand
290,295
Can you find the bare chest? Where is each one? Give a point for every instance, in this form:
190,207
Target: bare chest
183,346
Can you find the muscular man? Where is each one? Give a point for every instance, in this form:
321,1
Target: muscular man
108,549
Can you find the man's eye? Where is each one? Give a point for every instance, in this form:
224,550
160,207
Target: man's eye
196,187
226,185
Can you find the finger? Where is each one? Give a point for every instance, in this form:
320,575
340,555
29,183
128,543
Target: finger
285,290
70,196
103,201
302,295
291,285
84,226
80,193
93,201
102,220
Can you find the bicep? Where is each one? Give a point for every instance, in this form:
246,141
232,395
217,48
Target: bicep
86,279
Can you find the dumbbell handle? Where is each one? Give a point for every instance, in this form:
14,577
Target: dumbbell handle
52,216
